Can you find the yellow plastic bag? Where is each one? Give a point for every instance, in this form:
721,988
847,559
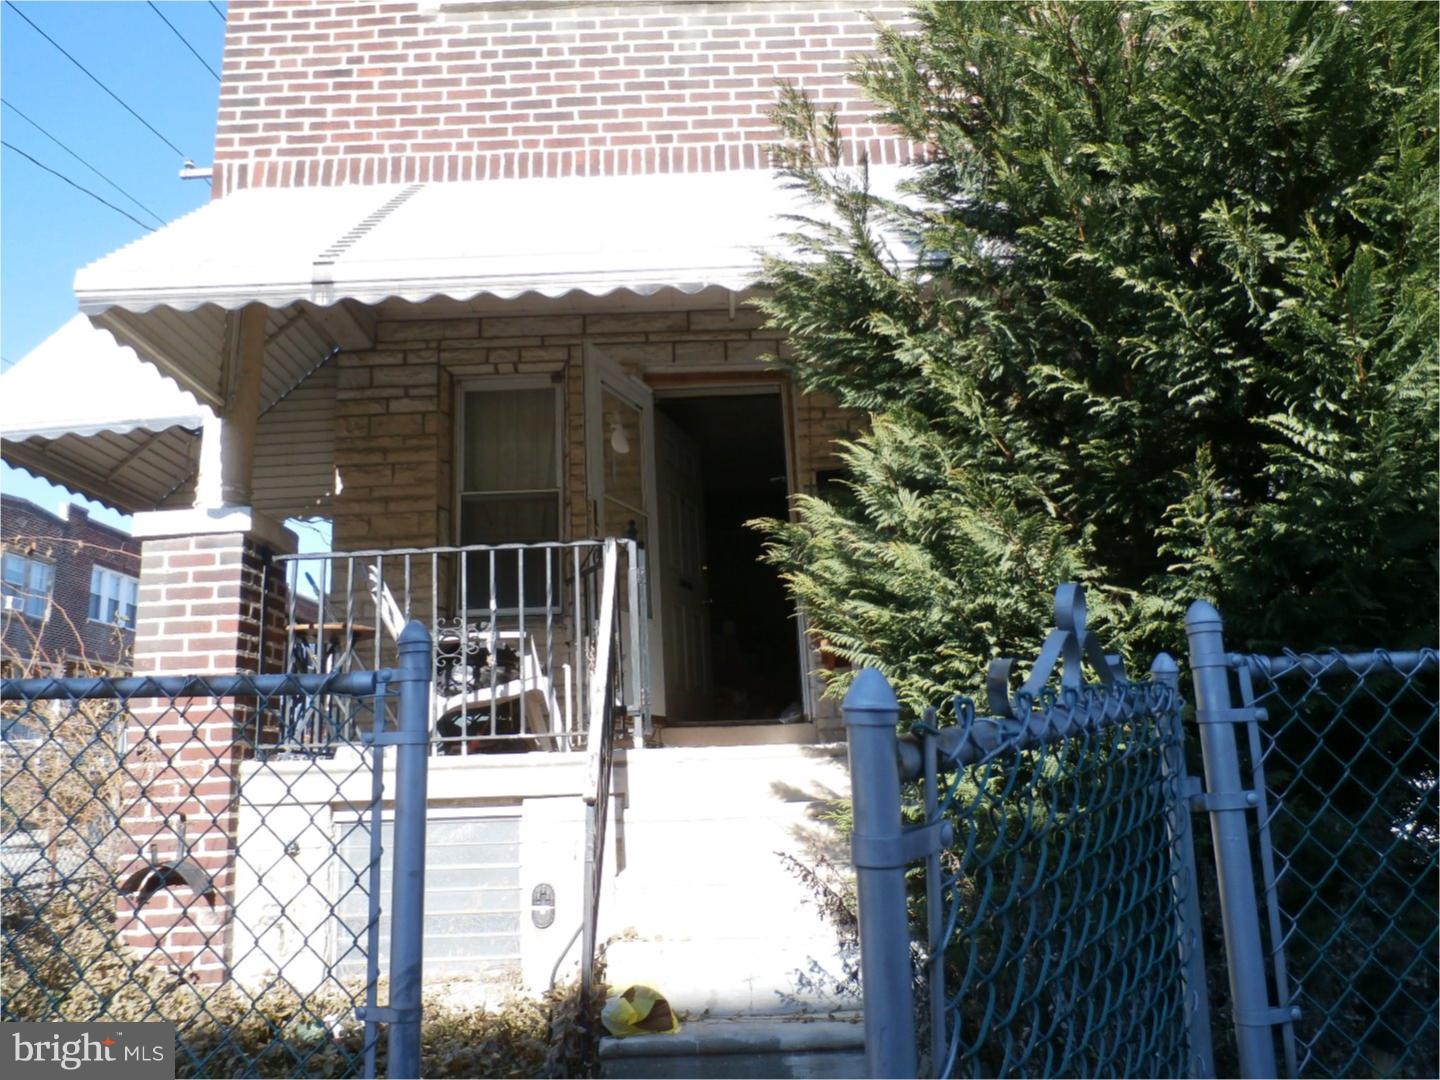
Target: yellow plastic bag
639,1010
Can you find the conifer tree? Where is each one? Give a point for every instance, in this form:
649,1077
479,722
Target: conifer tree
1157,312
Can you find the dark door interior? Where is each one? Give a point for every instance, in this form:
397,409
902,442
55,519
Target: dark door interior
754,664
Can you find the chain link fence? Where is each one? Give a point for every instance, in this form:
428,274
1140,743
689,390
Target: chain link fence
171,852
1061,943
1061,925
1340,751
1056,927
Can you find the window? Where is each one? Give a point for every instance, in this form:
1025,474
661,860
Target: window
26,585
112,597
472,894
510,492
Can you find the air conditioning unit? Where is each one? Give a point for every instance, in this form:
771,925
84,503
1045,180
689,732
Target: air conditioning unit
12,603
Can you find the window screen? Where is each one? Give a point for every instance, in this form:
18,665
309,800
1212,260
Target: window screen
510,494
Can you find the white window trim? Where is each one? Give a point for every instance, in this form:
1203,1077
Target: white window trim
27,560
96,574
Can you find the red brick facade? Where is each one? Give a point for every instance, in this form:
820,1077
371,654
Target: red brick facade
200,612
73,546
320,93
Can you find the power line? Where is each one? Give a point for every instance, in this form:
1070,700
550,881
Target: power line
35,124
216,10
185,42
78,187
96,81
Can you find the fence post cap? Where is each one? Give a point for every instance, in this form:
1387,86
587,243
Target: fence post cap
1164,664
1199,613
871,693
414,636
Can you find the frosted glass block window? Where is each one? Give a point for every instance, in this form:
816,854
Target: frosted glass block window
472,896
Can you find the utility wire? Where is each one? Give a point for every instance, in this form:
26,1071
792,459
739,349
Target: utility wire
76,186
97,82
80,159
216,10
185,42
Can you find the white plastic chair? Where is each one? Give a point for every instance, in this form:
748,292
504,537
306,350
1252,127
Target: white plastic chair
532,682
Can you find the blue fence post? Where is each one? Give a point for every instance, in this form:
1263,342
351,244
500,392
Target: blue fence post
407,913
1166,672
871,714
1229,806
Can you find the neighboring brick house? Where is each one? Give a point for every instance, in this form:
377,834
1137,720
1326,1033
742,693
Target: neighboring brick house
69,588
481,273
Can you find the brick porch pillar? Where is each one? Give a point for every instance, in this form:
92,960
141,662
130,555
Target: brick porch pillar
202,578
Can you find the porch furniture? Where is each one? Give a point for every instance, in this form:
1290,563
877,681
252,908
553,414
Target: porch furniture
479,668
325,647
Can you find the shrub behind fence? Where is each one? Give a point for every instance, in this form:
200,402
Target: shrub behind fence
1056,927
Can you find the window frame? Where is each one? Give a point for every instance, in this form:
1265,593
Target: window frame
97,574
503,384
27,561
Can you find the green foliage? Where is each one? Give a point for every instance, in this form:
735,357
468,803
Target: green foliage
1171,332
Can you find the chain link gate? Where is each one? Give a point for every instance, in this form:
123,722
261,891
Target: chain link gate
1327,762
1059,899
207,850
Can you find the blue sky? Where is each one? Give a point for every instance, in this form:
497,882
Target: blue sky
47,228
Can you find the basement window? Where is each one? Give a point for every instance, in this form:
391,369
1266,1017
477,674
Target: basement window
472,895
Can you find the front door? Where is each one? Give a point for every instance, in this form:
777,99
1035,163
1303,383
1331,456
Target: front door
620,477
684,586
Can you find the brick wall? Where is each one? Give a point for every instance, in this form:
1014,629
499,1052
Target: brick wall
73,546
200,613
331,93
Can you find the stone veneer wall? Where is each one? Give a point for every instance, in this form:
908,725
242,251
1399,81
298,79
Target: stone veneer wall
395,408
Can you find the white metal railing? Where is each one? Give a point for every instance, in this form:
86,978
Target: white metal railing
518,630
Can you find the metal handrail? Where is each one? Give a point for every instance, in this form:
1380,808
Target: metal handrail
600,745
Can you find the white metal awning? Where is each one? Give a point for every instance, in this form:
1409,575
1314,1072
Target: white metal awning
88,413
320,258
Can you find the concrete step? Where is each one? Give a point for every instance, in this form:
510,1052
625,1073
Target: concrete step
704,906
742,1048
718,977
735,734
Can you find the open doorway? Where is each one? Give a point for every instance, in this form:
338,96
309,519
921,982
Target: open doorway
731,651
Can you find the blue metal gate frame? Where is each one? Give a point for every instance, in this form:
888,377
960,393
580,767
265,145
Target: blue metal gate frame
1106,974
